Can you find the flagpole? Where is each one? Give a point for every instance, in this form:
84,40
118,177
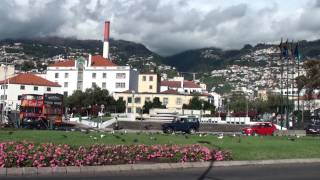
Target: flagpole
287,84
292,84
281,79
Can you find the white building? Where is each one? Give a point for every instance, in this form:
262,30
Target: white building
25,83
181,85
6,71
83,73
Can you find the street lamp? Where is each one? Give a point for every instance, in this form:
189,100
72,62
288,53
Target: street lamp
228,100
133,108
247,99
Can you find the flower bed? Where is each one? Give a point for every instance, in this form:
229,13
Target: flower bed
27,154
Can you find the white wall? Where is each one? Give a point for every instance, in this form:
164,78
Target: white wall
71,79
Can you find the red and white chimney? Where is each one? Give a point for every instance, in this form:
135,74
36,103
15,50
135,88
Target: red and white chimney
106,39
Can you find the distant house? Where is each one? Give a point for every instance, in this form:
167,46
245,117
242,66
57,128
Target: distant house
181,86
25,83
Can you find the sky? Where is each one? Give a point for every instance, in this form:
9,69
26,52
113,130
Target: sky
165,26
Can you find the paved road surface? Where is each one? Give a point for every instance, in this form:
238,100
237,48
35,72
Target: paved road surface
261,172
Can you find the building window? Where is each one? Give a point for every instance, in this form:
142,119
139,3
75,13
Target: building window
137,100
93,84
56,75
4,86
66,75
48,88
65,84
129,99
148,99
94,75
121,75
35,88
144,78
165,101
104,85
138,110
179,101
3,97
65,93
120,85
150,87
129,110
22,87
104,75
150,78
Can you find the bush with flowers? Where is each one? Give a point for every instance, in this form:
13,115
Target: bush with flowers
27,154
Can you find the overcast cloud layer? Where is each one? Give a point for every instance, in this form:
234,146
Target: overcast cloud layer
167,26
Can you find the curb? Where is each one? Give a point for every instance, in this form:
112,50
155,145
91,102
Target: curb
71,170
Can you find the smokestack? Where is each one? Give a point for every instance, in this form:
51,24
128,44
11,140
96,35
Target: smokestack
106,39
89,60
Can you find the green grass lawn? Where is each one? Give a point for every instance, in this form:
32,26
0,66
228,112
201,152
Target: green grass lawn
242,148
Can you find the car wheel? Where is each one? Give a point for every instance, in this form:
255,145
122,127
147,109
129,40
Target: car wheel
192,131
254,133
169,130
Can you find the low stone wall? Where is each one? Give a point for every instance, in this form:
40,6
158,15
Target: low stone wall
149,125
290,133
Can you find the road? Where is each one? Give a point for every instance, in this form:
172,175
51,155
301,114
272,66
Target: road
261,172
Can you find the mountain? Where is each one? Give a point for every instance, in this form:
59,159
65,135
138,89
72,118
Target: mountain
208,59
137,55
122,52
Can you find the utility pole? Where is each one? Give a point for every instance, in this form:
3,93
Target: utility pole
4,86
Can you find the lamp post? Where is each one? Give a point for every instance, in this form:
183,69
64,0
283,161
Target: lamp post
247,99
201,111
133,105
228,100
101,113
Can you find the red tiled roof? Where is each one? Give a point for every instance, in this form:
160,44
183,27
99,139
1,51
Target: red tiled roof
29,79
66,63
177,84
170,91
206,94
310,97
98,60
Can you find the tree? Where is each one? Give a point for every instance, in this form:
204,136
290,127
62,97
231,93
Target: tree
90,101
156,103
199,104
27,66
311,80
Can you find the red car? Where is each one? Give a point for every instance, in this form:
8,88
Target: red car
263,128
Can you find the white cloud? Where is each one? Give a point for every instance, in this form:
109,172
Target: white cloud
166,26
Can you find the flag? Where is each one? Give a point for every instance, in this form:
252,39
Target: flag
281,48
285,50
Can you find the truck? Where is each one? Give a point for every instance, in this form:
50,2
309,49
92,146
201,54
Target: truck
41,111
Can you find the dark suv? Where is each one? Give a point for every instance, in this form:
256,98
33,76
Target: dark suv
183,124
313,128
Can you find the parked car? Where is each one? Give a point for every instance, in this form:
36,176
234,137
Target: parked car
313,129
182,124
263,128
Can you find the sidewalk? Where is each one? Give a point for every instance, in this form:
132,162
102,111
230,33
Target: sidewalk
72,170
